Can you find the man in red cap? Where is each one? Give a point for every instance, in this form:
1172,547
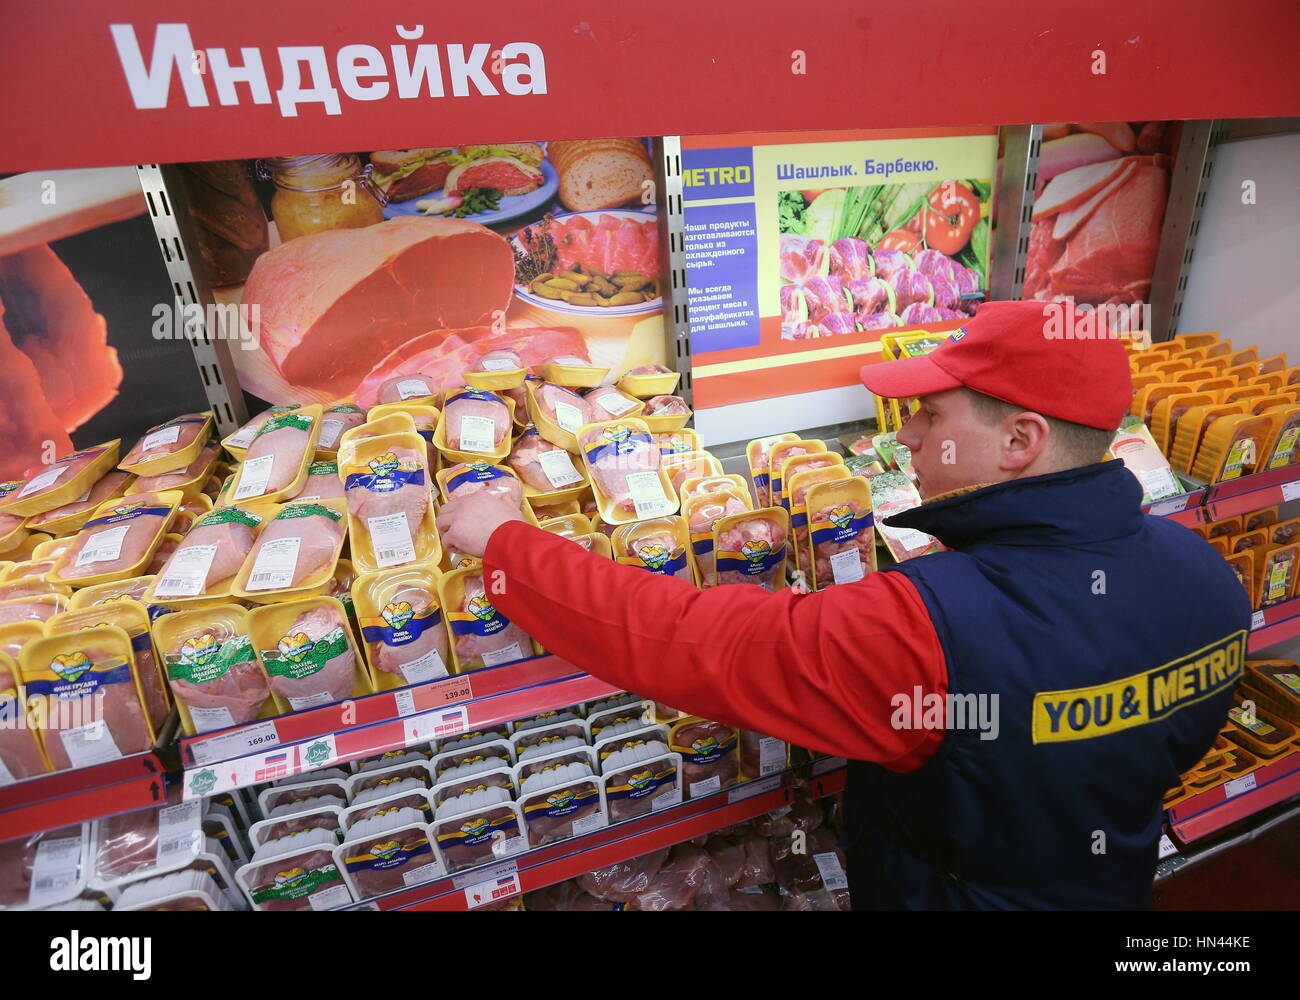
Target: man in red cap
1014,708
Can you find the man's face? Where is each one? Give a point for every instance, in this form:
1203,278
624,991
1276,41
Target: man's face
952,447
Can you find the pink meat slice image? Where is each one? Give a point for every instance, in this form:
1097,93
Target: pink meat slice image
336,676
287,444
391,659
163,440
616,460
102,489
476,404
122,714
471,648
242,690
410,498
171,480
319,533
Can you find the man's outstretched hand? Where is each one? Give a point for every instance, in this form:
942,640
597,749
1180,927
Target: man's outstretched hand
467,522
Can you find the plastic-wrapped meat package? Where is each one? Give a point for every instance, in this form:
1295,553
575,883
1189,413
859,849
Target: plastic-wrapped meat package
728,853
127,845
406,799
232,685
19,857
319,530
332,680
751,550
20,754
243,437
100,492
709,757
501,359
210,553
465,479
566,809
324,819
335,421
649,370
638,789
689,876
664,406
306,880
471,839
389,852
801,873
38,610
831,549
387,776
485,637
624,881
115,542
419,649
563,407
475,417
322,482
702,514
123,716
285,438
402,490
166,439
607,402
177,479
757,868
543,474
400,388
654,550
613,453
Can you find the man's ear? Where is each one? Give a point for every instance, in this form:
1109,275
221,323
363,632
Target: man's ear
1024,439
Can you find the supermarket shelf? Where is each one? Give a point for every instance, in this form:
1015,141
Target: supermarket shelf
67,797
1238,496
1216,808
391,720
545,866
1273,625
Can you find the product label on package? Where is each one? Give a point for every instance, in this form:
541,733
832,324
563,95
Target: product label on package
54,871
103,546
254,476
398,623
297,656
87,745
475,472
164,435
330,430
413,388
1285,448
832,872
179,831
478,434
424,668
568,417
208,719
614,403
390,537
203,658
846,567
558,468
186,572
559,803
656,557
41,481
497,365
772,755
294,882
648,495
388,853
385,473
755,557
647,780
1240,455
506,654
275,564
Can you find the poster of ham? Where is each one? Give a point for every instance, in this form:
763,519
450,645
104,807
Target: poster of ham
81,287
1098,208
354,269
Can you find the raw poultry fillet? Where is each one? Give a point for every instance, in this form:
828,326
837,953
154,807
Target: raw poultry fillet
211,553
285,439
498,360
474,417
397,485
863,543
39,611
758,541
20,754
609,402
612,454
418,635
319,532
704,514
299,675
563,407
102,489
219,680
117,540
403,387
166,439
526,460
496,640
334,303
120,709
322,481
336,420
172,480
42,479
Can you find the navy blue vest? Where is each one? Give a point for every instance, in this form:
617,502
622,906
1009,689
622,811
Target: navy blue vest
1112,641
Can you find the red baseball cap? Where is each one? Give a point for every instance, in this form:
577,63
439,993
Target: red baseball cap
1024,353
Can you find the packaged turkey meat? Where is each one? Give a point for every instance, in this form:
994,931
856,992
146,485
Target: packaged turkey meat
557,413
402,625
21,755
762,755
474,425
549,473
659,545
39,607
606,402
119,539
186,891
133,618
203,566
622,719
297,872
388,852
30,586
758,453
85,697
60,482
640,779
321,483
892,493
132,589
496,370
561,801
794,466
702,512
795,500
457,765
307,793
543,741
709,755
334,421
625,471
695,485
322,818
406,794
147,842
449,794
188,481
645,381
751,548
417,767
839,544
690,465
571,371
72,517
275,465
237,443
296,552
549,718
676,442
666,413
215,674
480,836
393,418
781,451
386,483
13,532
44,869
481,635
401,388
308,651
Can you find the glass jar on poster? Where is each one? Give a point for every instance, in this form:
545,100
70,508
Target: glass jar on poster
316,193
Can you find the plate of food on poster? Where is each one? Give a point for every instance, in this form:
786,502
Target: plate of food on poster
488,183
882,256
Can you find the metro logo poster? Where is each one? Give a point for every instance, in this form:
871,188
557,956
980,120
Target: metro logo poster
803,248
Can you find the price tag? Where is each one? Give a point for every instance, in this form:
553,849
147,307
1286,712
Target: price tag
1256,620
499,881
187,572
647,494
568,417
453,690
54,871
390,537
1238,786
254,475
410,388
165,436
1167,847
748,790
405,702
846,567
478,434
498,365
558,468
1171,506
103,546
257,736
179,831
832,873
275,563
41,481
1291,491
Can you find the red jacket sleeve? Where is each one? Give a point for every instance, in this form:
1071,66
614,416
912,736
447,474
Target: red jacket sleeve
817,670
